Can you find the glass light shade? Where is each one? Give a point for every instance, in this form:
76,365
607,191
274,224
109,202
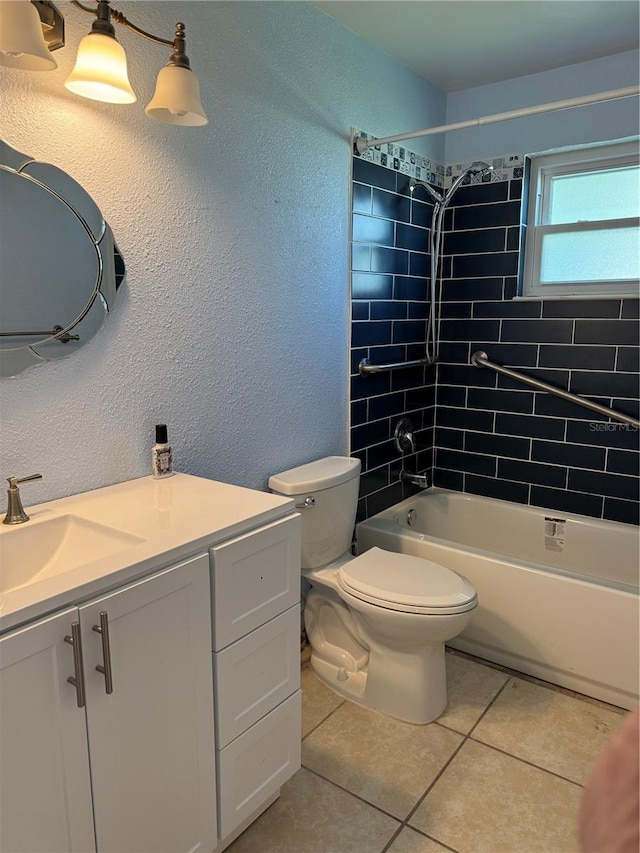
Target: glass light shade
100,72
177,98
22,43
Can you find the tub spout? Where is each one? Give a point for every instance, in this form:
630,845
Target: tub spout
420,480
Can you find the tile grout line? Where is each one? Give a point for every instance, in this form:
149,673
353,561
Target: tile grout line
401,828
351,793
525,761
489,706
465,738
509,672
421,799
323,720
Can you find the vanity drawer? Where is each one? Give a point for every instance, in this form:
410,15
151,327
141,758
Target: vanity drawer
255,674
254,578
256,764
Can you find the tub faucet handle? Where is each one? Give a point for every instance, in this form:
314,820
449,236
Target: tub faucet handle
403,436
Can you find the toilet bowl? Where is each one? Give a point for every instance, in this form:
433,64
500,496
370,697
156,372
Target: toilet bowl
377,623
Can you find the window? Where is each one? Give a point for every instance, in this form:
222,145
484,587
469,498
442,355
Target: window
583,227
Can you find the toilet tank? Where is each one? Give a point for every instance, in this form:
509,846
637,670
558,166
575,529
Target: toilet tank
327,524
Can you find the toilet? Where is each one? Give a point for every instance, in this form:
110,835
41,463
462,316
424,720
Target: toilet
376,623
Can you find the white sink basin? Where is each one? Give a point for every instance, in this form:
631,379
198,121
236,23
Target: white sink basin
39,549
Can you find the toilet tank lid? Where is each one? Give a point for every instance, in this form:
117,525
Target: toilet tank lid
315,476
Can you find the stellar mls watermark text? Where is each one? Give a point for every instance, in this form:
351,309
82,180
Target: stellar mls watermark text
596,426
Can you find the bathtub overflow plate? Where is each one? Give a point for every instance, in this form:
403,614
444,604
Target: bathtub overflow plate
411,517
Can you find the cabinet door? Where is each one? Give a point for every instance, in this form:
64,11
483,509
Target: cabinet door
152,739
45,790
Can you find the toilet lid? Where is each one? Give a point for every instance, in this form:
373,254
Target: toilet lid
404,582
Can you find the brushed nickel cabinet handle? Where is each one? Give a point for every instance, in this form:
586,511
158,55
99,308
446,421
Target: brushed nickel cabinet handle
105,668
78,679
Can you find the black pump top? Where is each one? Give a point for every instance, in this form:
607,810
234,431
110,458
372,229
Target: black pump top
161,434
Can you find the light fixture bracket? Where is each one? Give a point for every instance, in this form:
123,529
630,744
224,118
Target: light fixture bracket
52,23
179,58
102,24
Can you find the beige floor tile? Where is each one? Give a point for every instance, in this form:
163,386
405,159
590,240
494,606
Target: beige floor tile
412,842
386,762
554,731
318,701
470,688
313,816
487,802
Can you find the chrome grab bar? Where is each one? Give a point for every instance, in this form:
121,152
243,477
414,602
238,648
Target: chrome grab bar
365,367
480,359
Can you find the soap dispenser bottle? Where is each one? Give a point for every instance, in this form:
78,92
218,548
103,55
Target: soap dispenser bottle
161,456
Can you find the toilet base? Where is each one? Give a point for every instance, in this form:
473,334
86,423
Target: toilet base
389,661
392,683
351,685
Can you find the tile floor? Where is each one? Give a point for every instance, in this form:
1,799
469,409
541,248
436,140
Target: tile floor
502,770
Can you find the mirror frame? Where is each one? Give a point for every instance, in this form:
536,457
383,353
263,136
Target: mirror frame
109,274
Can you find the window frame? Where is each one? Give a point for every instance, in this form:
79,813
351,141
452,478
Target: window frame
542,168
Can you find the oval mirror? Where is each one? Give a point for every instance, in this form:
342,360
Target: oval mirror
60,268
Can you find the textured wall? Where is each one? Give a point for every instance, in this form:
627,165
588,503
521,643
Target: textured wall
605,121
233,325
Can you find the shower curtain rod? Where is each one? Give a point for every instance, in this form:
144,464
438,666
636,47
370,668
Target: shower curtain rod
362,144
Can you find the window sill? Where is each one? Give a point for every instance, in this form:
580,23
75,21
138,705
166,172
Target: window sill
575,297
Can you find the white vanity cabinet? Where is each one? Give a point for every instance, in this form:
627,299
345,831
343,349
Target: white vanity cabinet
149,743
149,690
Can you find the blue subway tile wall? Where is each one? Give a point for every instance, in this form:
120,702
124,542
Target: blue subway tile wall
500,438
390,262
479,432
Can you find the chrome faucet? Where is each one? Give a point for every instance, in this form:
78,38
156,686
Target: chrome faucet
15,510
403,436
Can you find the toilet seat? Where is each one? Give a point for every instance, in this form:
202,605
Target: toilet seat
405,583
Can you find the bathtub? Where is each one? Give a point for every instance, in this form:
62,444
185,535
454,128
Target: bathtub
558,593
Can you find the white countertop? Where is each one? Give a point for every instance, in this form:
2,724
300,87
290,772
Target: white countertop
173,518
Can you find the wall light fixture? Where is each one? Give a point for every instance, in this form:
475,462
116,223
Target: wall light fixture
31,29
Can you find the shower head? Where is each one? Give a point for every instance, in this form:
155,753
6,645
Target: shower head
479,168
414,183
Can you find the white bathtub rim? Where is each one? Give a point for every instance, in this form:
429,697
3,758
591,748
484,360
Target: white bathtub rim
386,526
385,521
470,496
